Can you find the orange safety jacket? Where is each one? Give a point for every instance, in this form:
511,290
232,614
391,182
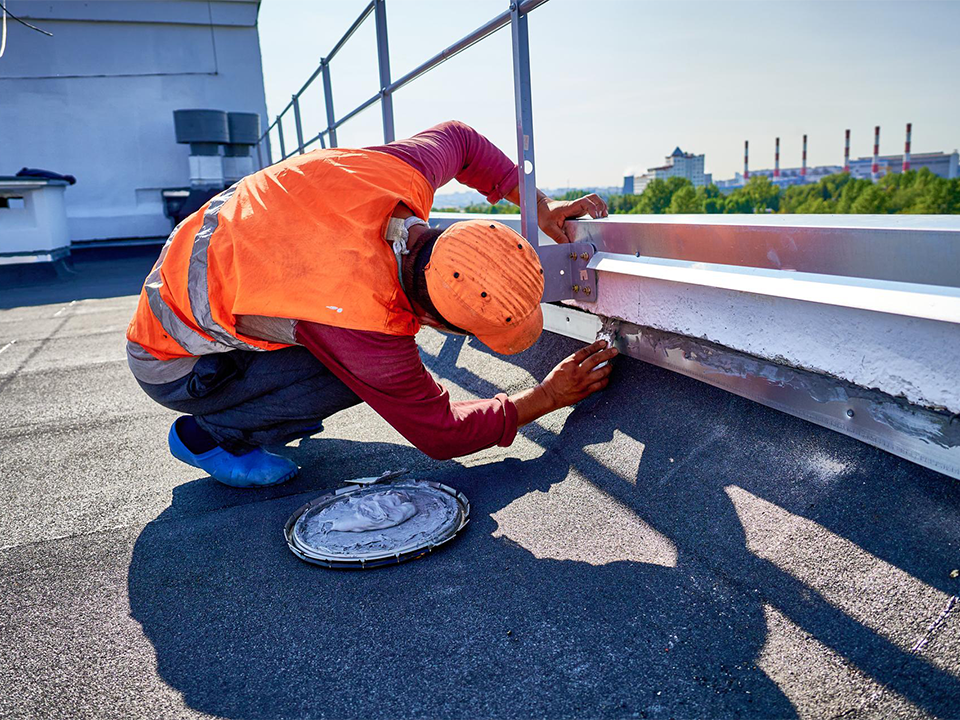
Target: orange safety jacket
304,239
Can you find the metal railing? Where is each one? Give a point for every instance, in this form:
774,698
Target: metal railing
564,267
888,276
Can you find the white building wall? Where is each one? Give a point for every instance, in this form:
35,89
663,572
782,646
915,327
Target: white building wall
97,99
690,168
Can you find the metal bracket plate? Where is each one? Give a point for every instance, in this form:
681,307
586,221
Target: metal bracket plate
565,272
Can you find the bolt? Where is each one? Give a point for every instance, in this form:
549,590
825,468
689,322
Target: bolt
573,256
584,256
850,413
576,288
586,291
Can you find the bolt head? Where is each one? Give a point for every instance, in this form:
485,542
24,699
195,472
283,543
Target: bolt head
850,413
576,288
584,256
573,256
586,291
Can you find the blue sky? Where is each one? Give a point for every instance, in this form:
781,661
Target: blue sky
618,84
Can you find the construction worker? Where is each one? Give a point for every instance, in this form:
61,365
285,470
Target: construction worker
297,293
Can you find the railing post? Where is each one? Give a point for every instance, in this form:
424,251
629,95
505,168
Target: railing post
328,101
296,117
283,150
521,88
383,57
259,154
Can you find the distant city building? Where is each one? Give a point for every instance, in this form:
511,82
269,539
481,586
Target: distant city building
679,164
942,164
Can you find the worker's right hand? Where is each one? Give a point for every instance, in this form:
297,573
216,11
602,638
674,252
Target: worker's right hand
576,377
552,215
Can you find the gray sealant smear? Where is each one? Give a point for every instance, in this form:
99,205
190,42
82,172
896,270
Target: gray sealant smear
378,511
379,520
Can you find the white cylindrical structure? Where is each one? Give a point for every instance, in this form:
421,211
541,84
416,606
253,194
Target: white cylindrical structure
875,168
803,168
906,149
746,160
776,161
846,153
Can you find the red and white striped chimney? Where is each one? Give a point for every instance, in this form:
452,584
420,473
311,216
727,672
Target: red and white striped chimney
803,168
846,153
776,161
875,168
746,157
906,149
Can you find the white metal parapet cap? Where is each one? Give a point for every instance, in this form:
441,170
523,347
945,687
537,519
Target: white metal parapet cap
933,302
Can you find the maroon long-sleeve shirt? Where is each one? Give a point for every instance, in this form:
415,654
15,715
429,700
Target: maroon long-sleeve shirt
385,371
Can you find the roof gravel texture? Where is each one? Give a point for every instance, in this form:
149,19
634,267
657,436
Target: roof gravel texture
664,550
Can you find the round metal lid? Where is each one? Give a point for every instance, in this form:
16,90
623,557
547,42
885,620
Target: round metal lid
364,526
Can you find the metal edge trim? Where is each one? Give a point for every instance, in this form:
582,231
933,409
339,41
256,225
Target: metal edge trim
923,436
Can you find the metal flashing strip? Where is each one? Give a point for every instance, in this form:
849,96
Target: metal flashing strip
932,302
927,437
923,249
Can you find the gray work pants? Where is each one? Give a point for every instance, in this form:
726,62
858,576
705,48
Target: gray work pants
246,399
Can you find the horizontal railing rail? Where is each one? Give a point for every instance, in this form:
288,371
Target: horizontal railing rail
378,8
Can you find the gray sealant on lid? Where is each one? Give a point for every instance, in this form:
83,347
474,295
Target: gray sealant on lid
377,511
379,520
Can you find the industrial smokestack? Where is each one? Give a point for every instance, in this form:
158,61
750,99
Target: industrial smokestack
846,154
906,149
776,161
803,168
746,158
875,168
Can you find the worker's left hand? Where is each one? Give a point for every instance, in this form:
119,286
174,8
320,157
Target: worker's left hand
553,214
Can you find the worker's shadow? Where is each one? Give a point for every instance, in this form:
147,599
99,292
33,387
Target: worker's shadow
505,626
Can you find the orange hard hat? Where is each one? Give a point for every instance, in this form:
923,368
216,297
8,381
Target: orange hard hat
485,278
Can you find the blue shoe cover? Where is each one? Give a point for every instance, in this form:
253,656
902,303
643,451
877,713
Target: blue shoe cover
257,468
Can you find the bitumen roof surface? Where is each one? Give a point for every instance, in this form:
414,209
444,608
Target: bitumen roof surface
665,549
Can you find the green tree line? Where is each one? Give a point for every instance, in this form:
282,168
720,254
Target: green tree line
916,191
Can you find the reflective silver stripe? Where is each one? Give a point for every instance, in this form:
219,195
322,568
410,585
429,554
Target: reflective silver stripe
197,286
185,336
271,329
146,368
